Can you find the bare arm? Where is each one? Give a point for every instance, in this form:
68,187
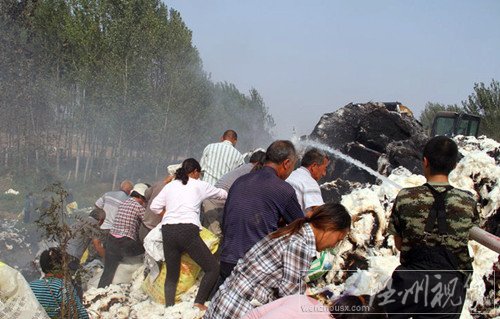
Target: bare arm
98,247
398,241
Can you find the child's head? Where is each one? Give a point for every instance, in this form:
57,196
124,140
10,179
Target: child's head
441,153
51,260
356,307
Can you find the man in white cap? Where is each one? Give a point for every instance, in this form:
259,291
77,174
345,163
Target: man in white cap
123,239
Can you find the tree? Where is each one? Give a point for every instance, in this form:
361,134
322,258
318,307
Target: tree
428,114
485,102
110,89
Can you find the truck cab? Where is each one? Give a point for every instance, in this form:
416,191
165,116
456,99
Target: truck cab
452,123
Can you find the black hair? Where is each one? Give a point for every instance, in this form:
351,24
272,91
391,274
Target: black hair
230,134
442,154
312,156
51,260
137,195
98,214
326,217
356,307
258,158
279,151
188,166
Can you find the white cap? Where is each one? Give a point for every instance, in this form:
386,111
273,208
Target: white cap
140,188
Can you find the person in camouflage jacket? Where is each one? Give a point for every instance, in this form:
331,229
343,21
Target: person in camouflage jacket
410,213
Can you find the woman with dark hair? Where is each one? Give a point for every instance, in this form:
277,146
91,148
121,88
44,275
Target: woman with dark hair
179,202
275,267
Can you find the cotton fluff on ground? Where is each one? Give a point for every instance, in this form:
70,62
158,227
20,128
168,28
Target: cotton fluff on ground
363,262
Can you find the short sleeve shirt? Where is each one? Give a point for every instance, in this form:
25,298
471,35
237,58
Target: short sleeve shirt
255,204
128,219
411,209
110,202
218,159
306,188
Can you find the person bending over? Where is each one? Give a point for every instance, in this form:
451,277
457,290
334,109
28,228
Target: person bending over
276,265
179,202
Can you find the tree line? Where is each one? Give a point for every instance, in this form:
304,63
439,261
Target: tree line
109,88
484,102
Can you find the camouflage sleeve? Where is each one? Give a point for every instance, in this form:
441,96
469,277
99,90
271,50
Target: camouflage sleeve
394,227
475,214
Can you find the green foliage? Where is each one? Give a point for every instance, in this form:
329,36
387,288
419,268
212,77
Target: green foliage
94,88
485,101
55,223
427,116
53,219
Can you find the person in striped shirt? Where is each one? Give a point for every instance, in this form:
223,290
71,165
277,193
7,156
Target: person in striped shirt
219,158
57,295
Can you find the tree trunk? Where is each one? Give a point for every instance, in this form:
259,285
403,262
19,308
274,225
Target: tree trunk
77,163
115,174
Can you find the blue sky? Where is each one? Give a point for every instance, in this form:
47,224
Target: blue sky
307,58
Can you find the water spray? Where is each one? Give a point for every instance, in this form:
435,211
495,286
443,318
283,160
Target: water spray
481,236
338,154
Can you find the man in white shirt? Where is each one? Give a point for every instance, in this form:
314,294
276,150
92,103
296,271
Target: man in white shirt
219,158
305,179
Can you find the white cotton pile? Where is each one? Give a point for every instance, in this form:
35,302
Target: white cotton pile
11,191
371,281
477,172
129,301
359,202
338,262
484,259
484,144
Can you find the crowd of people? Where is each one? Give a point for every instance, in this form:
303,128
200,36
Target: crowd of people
272,221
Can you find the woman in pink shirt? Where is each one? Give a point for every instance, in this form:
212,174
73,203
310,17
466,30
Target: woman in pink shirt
291,307
302,306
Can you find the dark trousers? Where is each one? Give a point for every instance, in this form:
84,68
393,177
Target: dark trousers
225,271
426,285
74,270
143,232
185,238
26,216
116,249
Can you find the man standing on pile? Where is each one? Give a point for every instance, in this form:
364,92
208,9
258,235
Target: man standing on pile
110,202
219,158
431,225
304,179
123,239
255,204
